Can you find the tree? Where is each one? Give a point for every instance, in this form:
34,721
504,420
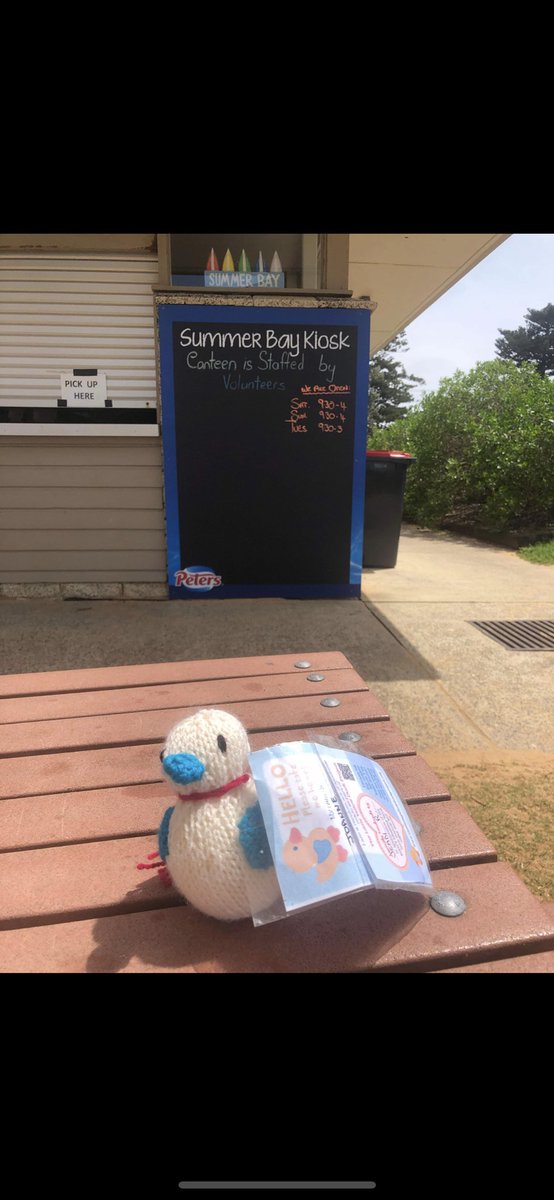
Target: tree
484,448
532,342
390,386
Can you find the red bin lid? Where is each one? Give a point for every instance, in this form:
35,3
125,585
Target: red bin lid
387,454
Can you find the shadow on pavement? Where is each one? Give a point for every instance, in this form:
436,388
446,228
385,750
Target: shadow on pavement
51,635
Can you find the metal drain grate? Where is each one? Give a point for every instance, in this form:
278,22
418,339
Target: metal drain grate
519,635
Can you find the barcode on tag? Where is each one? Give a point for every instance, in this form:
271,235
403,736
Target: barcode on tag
345,770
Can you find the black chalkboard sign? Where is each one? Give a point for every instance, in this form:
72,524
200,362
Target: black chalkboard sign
264,415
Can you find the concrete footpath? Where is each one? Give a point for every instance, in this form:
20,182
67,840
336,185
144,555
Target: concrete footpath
447,685
482,694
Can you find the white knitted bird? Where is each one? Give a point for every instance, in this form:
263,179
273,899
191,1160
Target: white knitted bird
213,841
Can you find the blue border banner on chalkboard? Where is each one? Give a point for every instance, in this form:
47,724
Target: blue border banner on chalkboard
189,579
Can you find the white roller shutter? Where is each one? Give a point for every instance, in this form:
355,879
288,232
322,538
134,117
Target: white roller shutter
66,311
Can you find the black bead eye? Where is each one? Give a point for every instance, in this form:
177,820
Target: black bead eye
161,756
221,743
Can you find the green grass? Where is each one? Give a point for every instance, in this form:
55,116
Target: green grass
515,811
542,552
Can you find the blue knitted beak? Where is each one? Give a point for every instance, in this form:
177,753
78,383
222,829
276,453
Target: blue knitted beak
183,768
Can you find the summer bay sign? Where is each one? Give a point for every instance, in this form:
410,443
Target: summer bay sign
264,415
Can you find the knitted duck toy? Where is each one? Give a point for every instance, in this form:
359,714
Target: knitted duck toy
213,841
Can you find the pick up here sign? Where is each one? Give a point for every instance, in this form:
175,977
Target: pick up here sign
84,390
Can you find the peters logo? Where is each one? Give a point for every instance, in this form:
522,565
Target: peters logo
197,579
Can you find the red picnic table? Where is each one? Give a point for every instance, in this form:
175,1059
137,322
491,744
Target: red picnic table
81,798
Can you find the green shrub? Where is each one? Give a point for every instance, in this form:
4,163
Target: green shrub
484,442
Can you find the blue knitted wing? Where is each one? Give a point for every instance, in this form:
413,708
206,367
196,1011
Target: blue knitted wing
163,833
253,839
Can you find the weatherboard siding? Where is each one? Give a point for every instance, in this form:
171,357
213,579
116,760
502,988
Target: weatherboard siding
74,512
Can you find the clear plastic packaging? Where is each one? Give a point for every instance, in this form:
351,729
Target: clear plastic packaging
334,823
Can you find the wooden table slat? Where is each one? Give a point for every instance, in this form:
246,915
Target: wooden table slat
44,774
79,880
414,779
43,682
58,817
379,739
449,835
211,692
524,964
502,918
380,930
31,821
120,729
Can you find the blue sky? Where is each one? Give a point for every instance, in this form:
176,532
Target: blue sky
460,329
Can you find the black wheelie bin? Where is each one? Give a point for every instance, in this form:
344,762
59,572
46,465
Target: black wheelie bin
384,500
